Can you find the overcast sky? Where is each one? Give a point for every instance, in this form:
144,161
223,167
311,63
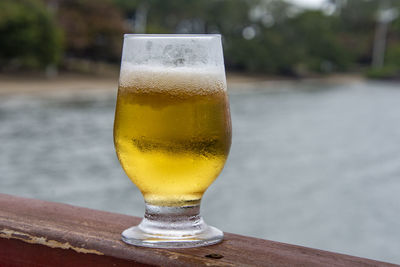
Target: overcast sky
308,3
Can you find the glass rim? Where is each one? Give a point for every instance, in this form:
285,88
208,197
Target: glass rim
174,35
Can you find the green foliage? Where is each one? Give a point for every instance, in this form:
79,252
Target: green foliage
393,55
127,6
93,29
299,45
391,69
316,34
387,72
267,36
29,36
282,41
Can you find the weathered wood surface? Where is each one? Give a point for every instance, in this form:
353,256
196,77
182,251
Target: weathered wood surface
40,233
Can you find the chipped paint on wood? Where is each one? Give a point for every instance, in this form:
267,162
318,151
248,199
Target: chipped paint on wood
176,256
11,234
36,227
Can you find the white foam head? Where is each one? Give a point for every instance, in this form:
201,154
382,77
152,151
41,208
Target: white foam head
158,78
179,62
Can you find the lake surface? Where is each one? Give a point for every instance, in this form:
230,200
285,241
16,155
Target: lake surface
311,164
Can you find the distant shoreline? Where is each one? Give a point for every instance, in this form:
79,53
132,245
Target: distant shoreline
238,82
31,83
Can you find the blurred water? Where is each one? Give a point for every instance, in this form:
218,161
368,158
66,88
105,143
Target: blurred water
315,165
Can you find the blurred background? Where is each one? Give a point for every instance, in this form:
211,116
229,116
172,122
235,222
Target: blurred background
315,101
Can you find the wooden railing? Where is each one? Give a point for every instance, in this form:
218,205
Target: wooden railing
40,233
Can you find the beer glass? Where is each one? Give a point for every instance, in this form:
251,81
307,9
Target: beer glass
172,133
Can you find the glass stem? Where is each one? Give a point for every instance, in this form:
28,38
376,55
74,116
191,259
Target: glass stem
172,220
172,227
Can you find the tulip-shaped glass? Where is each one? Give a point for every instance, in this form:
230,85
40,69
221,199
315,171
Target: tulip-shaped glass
172,133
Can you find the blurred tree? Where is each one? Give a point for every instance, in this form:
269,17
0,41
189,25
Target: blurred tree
281,39
162,16
29,36
393,48
315,36
231,23
93,29
269,36
357,23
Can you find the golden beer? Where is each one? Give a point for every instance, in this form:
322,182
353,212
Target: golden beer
172,132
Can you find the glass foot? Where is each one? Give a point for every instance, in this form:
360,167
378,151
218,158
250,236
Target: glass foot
172,227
